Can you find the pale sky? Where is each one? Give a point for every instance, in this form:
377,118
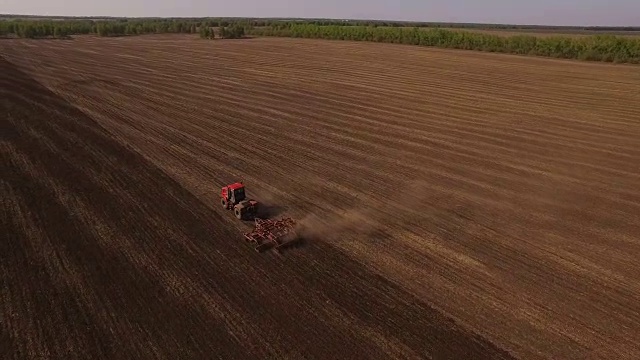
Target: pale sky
543,12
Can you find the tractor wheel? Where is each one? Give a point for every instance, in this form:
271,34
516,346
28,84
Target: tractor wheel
224,203
238,213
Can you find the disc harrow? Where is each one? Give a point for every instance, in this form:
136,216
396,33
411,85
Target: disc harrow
269,233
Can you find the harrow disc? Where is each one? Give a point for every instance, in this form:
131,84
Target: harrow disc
268,233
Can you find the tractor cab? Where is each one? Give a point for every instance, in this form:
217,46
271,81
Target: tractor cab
236,194
233,197
232,194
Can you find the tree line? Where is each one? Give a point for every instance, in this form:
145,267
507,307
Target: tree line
261,22
597,47
235,31
40,29
122,27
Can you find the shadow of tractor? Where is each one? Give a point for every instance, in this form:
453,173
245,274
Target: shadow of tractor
267,211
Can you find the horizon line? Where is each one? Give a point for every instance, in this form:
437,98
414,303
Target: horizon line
312,19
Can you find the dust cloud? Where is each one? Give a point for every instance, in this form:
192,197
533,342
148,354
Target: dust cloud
366,217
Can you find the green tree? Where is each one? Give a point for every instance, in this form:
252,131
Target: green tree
206,33
235,31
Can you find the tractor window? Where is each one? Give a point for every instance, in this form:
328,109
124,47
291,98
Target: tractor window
239,194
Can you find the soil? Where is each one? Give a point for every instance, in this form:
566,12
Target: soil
454,204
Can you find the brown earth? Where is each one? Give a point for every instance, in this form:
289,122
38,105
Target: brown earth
460,205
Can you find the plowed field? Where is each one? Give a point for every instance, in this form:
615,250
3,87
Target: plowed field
457,204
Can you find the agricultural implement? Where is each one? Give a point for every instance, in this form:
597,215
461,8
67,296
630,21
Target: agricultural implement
269,233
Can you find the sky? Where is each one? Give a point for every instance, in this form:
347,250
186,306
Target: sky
538,12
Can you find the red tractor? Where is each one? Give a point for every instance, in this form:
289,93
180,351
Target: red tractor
267,233
233,197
